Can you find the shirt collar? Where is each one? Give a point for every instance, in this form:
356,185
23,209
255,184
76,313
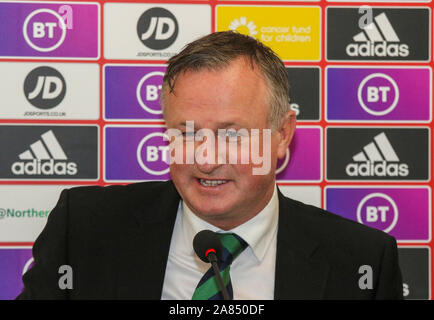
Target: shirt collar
258,232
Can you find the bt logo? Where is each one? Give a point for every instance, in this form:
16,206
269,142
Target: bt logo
45,30
157,28
148,92
153,154
44,87
282,164
29,264
379,211
378,94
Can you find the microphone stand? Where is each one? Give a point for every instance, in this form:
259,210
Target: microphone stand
212,258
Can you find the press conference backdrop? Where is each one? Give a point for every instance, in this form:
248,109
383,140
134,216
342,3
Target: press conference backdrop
79,105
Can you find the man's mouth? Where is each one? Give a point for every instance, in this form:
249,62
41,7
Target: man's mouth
212,183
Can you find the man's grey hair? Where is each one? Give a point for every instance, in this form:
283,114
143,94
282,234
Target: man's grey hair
217,50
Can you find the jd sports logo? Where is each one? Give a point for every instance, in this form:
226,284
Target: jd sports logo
157,28
44,87
378,158
377,153
46,157
381,41
382,34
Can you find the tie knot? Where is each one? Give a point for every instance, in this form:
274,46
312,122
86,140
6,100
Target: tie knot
233,245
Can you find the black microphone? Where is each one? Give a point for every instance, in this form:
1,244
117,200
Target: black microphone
208,248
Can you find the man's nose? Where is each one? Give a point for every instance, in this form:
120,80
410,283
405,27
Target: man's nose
207,157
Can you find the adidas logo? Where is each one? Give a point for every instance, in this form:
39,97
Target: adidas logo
378,159
45,157
378,41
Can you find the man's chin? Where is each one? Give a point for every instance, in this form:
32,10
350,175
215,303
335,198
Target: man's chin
210,212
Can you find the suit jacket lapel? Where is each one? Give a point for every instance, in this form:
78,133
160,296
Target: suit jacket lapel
144,248
299,275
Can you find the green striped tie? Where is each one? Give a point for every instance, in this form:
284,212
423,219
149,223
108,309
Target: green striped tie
207,288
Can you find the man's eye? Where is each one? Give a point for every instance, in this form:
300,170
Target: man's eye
232,134
188,135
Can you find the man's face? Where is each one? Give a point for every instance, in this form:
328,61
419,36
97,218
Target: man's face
234,97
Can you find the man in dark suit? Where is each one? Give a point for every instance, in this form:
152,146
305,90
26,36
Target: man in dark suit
221,93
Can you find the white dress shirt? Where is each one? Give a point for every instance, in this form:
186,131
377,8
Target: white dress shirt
252,272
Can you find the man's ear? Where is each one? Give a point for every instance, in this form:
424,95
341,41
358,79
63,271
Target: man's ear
286,133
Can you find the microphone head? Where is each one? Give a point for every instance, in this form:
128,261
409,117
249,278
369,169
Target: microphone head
204,241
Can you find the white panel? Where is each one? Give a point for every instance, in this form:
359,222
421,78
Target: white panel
306,194
121,40
24,210
81,101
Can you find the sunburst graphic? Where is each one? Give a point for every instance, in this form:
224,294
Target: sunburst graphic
241,26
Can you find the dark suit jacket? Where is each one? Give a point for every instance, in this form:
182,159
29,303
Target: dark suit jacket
117,239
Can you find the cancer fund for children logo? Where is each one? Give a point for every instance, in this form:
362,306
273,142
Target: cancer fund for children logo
292,32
